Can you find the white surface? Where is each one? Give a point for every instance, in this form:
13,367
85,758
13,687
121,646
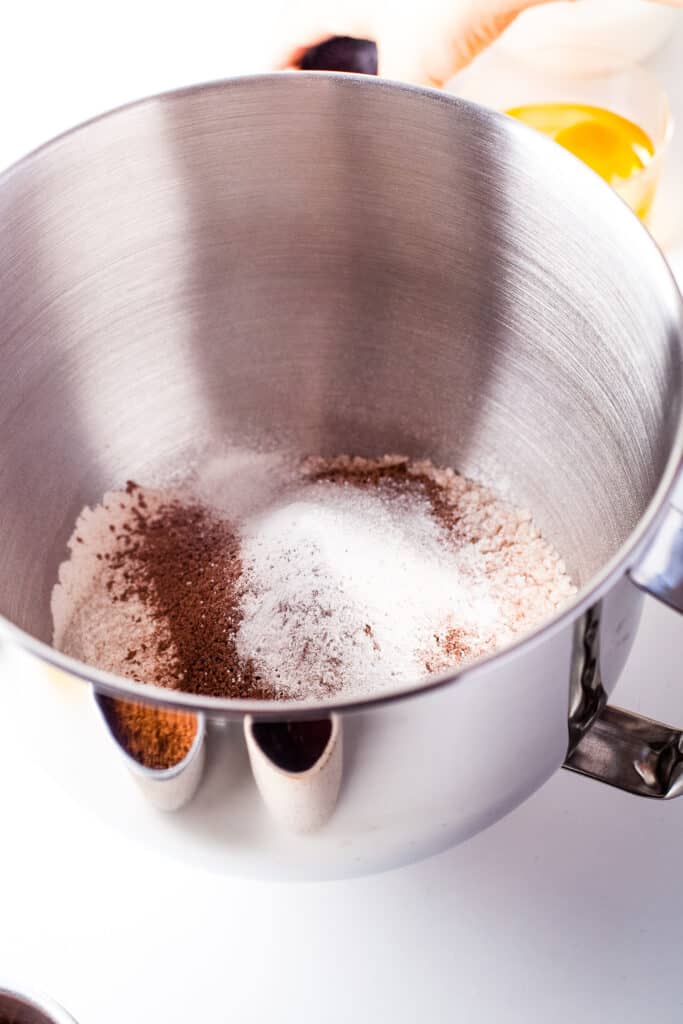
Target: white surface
570,909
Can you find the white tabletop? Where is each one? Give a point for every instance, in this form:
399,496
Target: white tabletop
570,909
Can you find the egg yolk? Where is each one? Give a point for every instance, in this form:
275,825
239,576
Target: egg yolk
611,145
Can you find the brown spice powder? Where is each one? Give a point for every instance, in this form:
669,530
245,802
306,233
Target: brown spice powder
155,737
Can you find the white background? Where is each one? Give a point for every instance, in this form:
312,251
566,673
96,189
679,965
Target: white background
570,909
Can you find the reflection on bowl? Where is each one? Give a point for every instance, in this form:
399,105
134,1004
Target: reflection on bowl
633,28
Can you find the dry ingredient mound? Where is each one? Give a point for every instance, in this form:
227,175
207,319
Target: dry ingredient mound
267,579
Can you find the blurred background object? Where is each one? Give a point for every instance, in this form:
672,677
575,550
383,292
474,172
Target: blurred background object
341,53
429,43
567,69
611,113
633,28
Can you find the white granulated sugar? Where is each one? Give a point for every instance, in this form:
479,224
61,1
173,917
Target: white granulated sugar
351,590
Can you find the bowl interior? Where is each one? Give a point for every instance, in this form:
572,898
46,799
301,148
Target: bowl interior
335,265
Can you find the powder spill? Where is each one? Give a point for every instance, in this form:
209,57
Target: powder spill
269,579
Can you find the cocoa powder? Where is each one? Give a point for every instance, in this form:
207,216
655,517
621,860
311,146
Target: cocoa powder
183,562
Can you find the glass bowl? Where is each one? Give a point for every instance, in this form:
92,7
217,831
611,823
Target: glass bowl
583,76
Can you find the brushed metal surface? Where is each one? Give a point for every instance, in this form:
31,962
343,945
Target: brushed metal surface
606,743
338,264
632,753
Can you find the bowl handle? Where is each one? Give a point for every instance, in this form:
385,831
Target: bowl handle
632,753
617,746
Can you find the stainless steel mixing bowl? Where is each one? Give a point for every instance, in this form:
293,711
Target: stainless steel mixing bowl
347,265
